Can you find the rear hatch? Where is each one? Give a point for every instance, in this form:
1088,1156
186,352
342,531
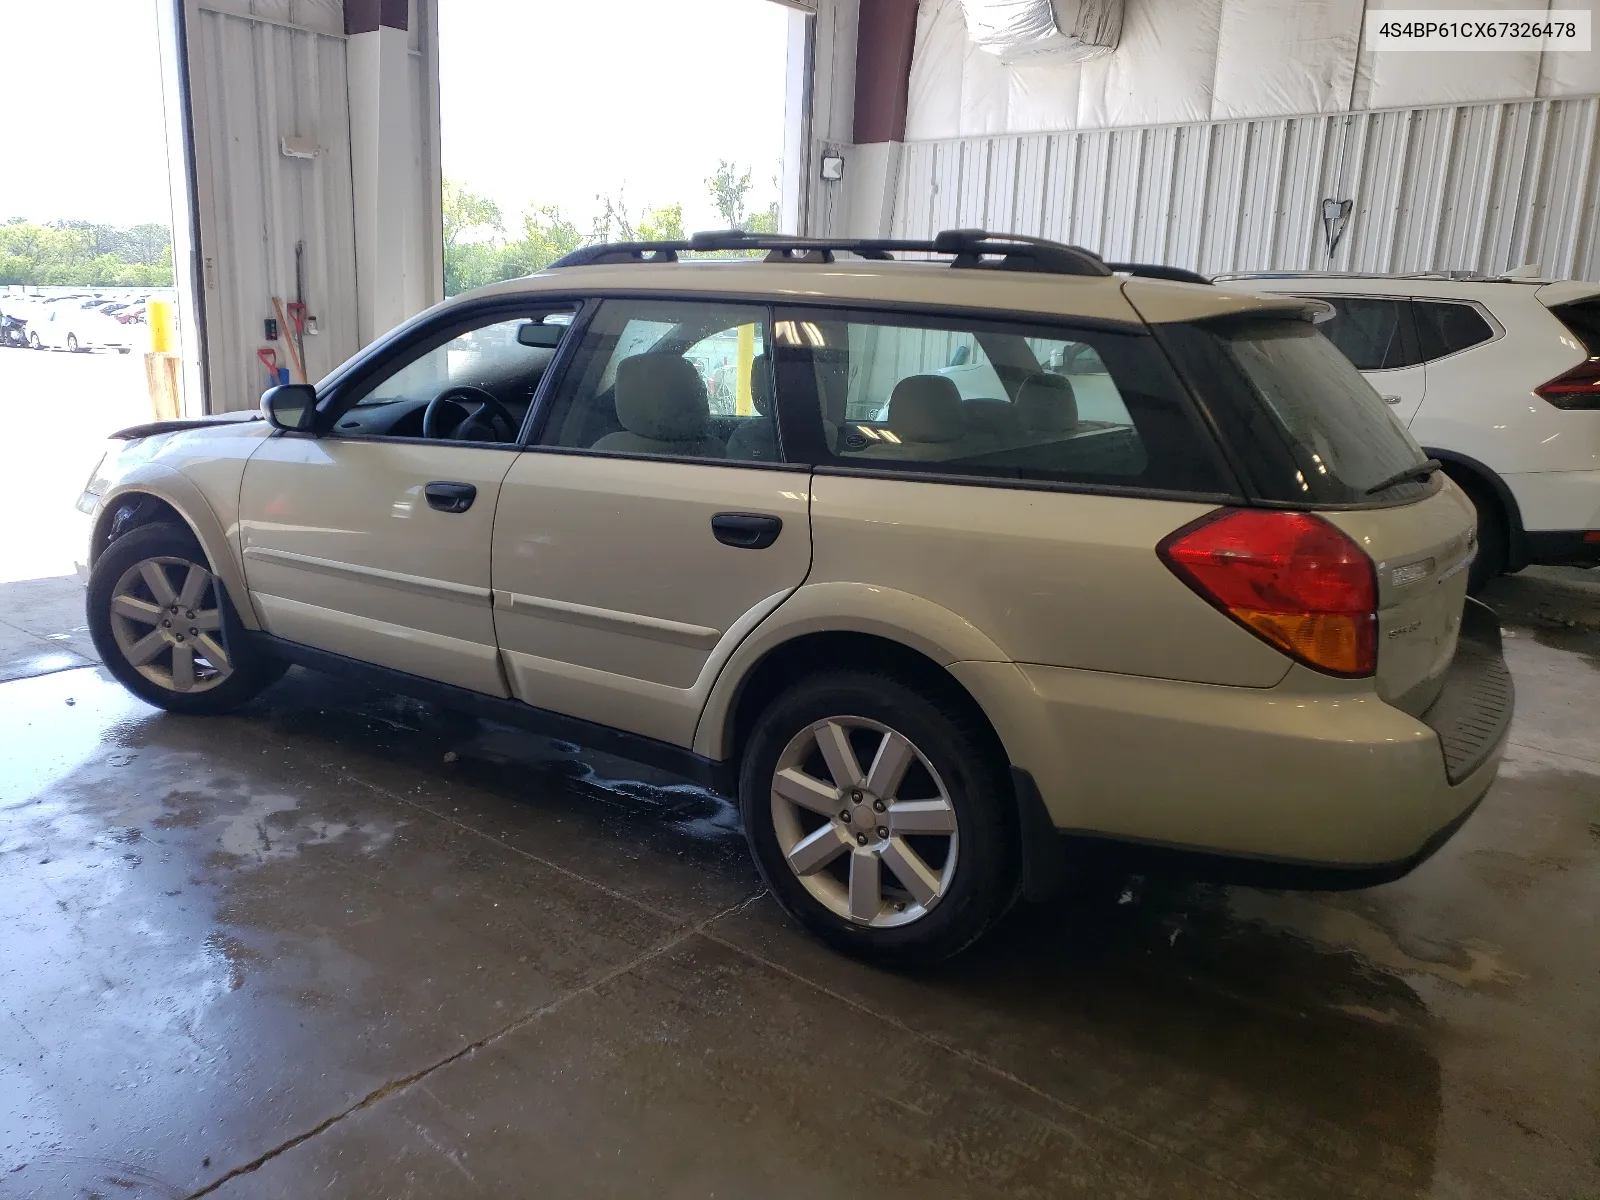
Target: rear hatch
1421,552
1306,431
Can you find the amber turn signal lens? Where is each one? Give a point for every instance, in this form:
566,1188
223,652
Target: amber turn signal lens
1291,578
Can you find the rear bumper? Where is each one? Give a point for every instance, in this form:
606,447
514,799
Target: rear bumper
1311,778
1562,547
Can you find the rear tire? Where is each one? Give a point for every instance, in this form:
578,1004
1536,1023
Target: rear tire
72,343
1494,536
165,627
934,843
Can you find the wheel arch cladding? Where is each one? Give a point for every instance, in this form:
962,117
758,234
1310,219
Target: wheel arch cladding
813,653
1469,473
161,493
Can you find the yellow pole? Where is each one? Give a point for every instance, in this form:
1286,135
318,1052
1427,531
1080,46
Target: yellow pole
742,404
163,327
161,364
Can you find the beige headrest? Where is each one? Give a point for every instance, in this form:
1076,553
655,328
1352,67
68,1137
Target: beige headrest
925,408
661,396
1046,404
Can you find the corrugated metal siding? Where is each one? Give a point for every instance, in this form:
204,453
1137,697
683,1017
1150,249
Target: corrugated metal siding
1476,187
252,81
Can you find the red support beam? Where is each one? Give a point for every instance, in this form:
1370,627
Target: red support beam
885,34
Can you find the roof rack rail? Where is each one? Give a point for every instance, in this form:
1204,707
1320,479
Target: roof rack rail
1452,276
970,248
1159,271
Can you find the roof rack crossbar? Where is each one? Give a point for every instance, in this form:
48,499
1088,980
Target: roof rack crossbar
970,248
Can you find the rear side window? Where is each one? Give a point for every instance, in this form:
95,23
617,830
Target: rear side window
1001,400
1368,331
1444,328
1298,414
1582,319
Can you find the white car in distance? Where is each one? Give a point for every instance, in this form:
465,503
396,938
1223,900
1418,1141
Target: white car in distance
78,324
1498,379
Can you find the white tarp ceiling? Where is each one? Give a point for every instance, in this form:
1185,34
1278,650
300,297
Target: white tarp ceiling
1031,31
1211,60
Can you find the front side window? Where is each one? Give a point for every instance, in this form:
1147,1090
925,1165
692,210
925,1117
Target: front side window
672,378
994,399
1367,331
477,386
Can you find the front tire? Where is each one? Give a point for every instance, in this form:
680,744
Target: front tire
34,342
879,818
72,343
165,627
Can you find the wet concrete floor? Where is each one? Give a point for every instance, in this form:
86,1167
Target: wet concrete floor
344,944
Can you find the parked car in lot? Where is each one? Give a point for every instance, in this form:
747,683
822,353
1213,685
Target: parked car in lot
946,642
13,323
1498,379
81,325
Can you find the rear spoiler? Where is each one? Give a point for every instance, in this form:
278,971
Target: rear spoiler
1158,271
1567,291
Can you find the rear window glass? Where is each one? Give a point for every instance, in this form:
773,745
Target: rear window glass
1583,320
1444,328
1300,415
901,391
1367,331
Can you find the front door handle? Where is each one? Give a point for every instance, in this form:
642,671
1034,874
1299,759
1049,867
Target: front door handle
1391,399
450,497
746,531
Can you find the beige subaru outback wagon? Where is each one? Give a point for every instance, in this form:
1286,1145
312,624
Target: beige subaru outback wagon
965,564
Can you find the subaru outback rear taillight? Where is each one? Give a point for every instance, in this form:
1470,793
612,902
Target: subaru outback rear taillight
1291,578
1577,388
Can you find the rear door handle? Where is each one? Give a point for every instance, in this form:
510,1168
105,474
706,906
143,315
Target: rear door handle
746,531
450,497
1391,399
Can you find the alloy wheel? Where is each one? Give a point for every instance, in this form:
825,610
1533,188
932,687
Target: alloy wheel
166,616
876,846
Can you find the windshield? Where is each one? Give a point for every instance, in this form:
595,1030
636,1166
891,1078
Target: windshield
1309,424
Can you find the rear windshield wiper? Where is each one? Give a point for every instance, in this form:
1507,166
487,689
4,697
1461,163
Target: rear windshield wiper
1420,472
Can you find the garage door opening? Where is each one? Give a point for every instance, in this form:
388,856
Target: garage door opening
86,264
618,120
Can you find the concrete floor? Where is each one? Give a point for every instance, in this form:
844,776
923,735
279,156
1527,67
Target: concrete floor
343,944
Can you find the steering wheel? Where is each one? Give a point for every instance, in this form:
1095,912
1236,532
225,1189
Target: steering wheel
489,415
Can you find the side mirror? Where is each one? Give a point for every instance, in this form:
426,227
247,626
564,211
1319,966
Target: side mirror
290,405
546,337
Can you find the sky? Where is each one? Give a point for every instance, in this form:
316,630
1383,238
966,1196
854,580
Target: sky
541,102
82,89
552,101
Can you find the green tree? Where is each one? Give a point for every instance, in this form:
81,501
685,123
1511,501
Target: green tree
466,211
728,188
546,236
613,223
472,223
765,221
82,254
663,223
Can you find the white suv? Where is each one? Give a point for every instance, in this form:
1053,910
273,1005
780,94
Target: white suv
1158,577
1498,379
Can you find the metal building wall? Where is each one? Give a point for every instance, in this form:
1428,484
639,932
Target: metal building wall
253,80
1474,187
